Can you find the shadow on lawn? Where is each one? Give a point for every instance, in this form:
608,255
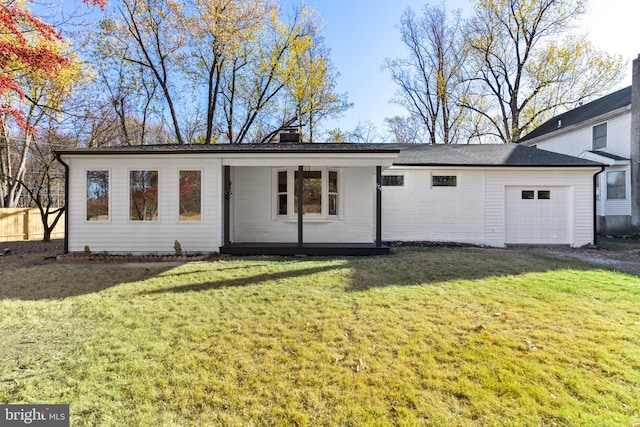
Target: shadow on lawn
420,266
59,281
249,280
407,267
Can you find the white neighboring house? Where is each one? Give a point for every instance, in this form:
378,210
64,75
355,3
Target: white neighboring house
602,130
243,199
599,131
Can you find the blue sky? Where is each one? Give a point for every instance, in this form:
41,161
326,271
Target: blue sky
362,33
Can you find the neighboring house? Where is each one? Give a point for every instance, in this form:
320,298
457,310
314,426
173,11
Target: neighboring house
601,130
243,199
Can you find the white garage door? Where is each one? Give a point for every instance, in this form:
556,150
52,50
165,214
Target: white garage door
537,215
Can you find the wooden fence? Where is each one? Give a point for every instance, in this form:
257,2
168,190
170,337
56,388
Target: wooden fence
25,224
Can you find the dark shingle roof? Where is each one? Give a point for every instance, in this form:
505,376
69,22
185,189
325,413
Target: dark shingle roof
600,106
484,155
329,147
409,154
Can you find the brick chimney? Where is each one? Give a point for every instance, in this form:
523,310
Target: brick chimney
635,143
289,136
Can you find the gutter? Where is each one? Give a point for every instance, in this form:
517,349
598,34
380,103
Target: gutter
595,208
66,199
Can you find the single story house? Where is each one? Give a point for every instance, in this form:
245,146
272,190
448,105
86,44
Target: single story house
323,198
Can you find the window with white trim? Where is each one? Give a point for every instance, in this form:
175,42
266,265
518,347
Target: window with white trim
393,180
98,195
190,195
444,181
321,193
600,136
143,195
616,185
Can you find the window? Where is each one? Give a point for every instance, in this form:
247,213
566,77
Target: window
333,193
444,181
282,193
393,180
616,185
143,195
531,195
600,136
320,192
528,194
190,196
312,193
97,195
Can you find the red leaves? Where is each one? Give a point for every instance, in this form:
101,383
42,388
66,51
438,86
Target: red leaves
101,3
27,48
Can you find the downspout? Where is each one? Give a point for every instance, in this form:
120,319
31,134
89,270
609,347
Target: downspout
595,206
66,199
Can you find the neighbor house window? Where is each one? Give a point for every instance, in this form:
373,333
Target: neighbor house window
616,185
143,195
320,192
97,195
444,180
393,180
600,136
190,196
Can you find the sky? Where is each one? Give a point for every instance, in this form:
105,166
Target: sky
362,33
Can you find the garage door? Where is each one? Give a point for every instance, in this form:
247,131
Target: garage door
537,215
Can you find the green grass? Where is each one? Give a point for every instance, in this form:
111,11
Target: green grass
442,337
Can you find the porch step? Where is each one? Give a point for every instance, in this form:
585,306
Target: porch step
311,249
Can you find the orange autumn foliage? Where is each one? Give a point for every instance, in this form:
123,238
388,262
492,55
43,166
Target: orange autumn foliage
26,47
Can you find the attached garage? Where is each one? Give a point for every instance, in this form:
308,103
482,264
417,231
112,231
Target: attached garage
538,215
502,194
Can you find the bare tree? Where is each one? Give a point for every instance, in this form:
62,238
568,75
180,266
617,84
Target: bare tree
430,79
526,64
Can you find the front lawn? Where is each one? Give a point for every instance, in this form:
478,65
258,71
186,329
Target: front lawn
441,337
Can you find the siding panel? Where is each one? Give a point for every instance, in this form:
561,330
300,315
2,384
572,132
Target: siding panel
119,234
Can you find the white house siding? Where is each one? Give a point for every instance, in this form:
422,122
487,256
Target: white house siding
579,139
253,216
419,212
119,234
475,211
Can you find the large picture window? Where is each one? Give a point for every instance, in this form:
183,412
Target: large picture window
312,193
143,195
616,185
320,192
97,195
190,196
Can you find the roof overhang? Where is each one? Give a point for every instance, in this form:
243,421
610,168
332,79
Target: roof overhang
607,161
247,157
